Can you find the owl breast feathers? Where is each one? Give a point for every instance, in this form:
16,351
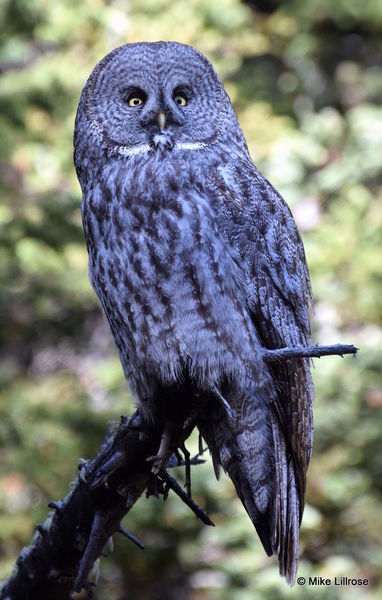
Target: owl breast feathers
199,267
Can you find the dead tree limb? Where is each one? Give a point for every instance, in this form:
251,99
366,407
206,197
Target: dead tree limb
65,547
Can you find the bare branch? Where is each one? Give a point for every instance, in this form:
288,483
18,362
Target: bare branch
174,485
308,352
131,537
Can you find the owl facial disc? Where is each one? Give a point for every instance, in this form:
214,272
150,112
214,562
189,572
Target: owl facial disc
143,98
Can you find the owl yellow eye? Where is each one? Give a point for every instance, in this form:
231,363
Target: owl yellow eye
180,100
135,101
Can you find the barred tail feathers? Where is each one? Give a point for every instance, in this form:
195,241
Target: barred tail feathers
286,510
263,475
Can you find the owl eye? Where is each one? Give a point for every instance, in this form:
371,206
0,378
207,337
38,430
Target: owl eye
180,100
135,100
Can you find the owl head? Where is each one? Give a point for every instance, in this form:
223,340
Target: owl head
148,97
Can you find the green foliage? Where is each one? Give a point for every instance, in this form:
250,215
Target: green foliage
305,78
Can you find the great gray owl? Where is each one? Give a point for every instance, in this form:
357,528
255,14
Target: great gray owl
199,267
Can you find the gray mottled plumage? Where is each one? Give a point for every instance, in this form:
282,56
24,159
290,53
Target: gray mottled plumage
198,265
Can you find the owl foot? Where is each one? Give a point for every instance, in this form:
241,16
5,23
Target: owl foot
160,459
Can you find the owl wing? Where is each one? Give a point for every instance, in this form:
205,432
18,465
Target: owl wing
258,225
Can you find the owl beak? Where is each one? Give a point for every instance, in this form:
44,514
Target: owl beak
161,120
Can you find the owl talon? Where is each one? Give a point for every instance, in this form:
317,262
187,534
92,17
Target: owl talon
160,460
159,463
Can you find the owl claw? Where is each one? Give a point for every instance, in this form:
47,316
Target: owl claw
159,463
160,460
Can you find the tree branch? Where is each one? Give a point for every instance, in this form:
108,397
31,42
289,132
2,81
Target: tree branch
316,351
65,547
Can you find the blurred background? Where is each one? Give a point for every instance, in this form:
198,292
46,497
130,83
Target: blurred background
305,77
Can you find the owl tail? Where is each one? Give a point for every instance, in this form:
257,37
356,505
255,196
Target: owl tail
286,508
264,480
